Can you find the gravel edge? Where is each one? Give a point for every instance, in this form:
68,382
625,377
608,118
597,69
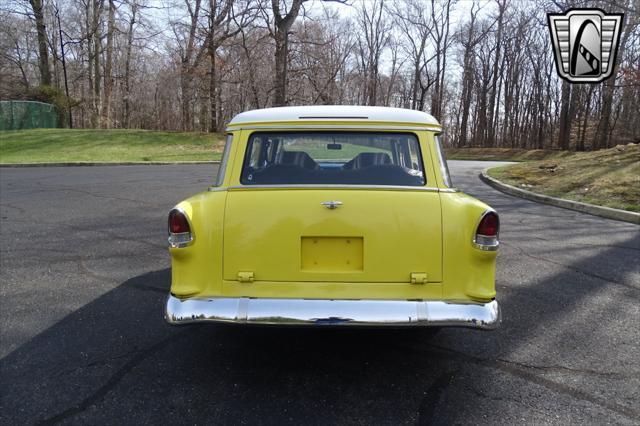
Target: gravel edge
606,212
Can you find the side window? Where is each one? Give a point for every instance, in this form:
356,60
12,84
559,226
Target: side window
444,168
223,162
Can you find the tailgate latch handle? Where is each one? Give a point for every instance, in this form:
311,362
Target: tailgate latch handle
418,278
245,277
331,204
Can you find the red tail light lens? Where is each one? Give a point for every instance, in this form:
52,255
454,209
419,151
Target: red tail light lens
489,225
178,222
486,237
179,229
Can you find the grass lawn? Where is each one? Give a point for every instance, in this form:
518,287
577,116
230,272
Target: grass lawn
609,177
71,145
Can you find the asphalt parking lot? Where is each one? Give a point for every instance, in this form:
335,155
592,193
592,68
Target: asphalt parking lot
84,274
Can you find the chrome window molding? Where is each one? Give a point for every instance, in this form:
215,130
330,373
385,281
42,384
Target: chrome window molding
217,188
222,169
175,240
325,312
485,243
415,139
336,186
444,168
371,126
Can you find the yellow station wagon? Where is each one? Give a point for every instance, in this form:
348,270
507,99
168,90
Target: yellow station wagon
333,215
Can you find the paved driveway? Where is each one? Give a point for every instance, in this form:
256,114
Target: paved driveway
84,276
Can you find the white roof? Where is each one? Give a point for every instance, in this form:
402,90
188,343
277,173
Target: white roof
335,112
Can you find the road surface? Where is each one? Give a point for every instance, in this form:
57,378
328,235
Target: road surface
84,277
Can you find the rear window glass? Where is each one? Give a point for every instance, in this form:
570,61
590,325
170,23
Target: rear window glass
355,158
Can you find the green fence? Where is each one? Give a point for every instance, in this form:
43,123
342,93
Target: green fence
16,115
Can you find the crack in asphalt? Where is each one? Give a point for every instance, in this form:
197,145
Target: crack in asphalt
518,370
572,268
115,378
564,369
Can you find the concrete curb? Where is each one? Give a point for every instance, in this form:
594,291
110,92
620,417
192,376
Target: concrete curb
122,163
605,212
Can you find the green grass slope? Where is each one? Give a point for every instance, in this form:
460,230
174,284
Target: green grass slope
609,177
89,145
502,154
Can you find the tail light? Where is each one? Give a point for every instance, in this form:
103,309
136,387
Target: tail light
486,236
179,229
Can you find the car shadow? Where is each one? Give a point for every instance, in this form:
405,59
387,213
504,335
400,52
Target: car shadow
115,359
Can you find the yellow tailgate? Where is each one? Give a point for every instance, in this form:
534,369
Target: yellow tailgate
283,235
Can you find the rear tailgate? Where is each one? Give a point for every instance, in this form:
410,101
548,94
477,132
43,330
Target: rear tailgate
374,235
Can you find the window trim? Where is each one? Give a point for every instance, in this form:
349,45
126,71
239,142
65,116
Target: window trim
224,160
247,154
444,167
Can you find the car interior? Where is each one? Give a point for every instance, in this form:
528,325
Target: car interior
271,160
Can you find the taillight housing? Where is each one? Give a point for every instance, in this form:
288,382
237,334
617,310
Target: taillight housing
486,235
180,234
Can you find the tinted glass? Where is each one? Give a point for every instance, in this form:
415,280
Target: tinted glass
354,158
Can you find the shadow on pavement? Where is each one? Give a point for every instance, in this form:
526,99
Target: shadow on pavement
116,359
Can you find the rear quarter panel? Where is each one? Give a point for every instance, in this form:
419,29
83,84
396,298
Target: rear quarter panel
469,273
196,269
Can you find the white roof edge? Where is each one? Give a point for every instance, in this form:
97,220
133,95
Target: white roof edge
335,112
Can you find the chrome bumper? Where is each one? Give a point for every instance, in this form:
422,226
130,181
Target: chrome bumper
398,313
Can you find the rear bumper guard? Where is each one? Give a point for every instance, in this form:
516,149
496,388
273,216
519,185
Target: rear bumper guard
399,313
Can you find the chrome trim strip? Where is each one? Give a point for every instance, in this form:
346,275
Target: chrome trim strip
300,186
334,186
486,247
224,160
400,313
369,126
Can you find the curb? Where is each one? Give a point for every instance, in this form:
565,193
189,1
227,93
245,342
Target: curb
122,163
606,212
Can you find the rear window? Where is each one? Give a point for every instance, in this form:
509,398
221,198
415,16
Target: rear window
355,158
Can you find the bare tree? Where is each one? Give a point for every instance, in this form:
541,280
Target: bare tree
43,49
282,24
374,36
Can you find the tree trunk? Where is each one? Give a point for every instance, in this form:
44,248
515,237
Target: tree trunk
43,50
603,132
185,88
127,67
108,65
280,84
213,85
466,96
564,128
64,71
491,131
281,35
97,47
